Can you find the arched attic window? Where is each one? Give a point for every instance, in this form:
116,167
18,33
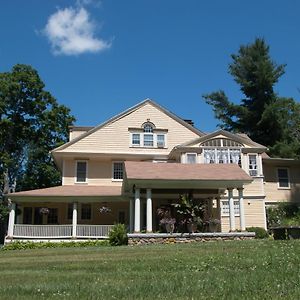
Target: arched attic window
222,151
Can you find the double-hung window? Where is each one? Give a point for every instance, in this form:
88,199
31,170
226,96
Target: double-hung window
283,178
118,169
148,136
253,165
86,211
81,171
225,207
160,140
136,139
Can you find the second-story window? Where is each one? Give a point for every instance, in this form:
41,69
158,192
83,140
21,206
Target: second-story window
148,135
160,140
252,165
283,178
118,169
81,171
191,158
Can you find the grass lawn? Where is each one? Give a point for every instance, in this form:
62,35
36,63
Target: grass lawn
213,270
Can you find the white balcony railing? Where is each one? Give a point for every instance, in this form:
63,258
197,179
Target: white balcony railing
60,231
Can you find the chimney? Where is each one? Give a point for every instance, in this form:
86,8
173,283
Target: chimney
190,122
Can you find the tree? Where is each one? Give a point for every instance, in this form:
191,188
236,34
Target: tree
262,114
32,123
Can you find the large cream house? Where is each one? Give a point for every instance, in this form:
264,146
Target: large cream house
146,157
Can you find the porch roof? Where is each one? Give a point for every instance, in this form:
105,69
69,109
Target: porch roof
185,172
71,191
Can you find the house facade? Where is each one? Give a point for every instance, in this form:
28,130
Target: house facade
123,170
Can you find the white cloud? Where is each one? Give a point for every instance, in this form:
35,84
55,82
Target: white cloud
72,32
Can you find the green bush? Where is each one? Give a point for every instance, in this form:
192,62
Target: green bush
17,245
260,233
118,235
283,214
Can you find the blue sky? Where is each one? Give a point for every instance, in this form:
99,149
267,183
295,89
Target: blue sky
101,57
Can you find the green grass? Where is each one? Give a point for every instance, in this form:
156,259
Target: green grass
213,270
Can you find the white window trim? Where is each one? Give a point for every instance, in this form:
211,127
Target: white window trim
131,137
87,172
154,134
191,153
227,214
289,179
112,170
257,162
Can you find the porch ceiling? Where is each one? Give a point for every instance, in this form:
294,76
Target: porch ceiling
175,175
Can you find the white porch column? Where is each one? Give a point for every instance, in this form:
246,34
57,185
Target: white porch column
242,212
149,210
231,210
131,214
11,221
74,220
137,211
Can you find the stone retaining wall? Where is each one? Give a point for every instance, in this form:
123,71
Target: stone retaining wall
178,238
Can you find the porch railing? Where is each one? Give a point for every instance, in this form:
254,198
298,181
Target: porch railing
60,231
42,231
93,230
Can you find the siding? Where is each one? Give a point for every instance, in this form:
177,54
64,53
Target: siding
273,192
115,137
254,216
98,173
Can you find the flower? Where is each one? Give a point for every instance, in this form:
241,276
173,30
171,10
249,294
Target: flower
44,210
104,210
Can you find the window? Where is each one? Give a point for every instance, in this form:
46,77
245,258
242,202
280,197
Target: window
253,165
81,171
53,216
118,170
27,215
148,128
225,208
136,139
160,141
86,211
121,217
191,158
222,156
283,178
148,140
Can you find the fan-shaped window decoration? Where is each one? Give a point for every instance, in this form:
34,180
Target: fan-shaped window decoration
148,128
221,143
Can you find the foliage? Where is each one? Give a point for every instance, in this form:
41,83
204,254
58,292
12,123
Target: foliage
32,123
118,235
260,233
18,245
4,211
268,119
257,269
189,210
165,215
283,214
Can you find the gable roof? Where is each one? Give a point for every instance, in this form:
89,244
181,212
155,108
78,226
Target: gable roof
239,137
127,112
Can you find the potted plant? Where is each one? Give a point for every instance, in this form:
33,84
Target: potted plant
44,210
213,224
190,212
166,220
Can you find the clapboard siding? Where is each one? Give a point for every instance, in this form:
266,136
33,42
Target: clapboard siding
115,137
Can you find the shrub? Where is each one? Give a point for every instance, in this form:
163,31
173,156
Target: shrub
118,235
18,245
283,214
260,233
